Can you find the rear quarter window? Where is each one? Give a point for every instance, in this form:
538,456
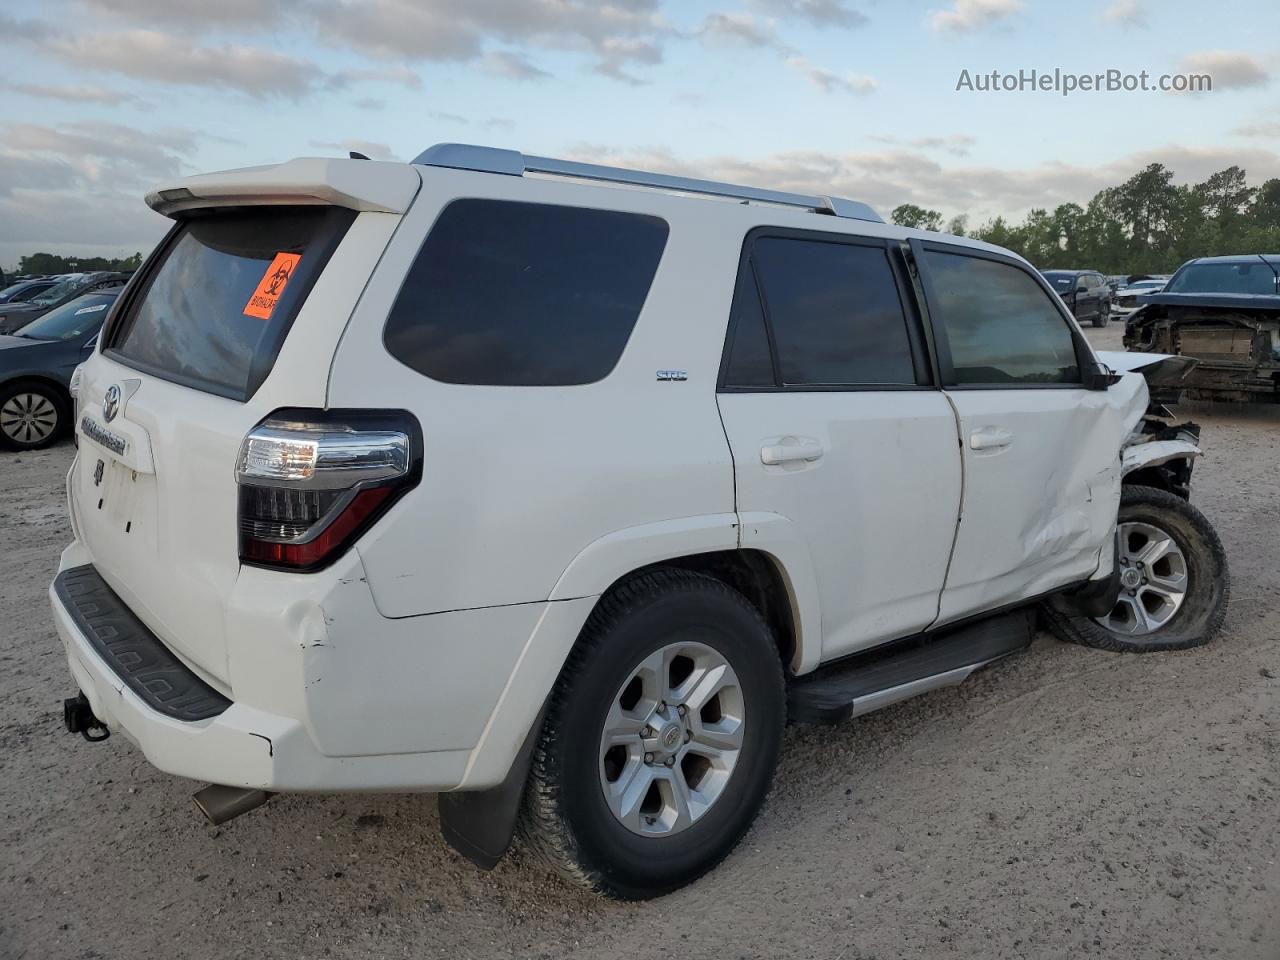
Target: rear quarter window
504,293
192,320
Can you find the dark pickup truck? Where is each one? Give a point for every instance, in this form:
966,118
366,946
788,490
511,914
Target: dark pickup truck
1224,312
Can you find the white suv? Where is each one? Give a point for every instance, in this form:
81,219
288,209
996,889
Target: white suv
557,489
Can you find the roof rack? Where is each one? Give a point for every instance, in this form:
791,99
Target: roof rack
463,156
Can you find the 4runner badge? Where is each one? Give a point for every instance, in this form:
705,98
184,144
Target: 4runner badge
673,375
111,403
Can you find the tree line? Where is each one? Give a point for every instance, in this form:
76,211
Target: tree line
44,264
1145,225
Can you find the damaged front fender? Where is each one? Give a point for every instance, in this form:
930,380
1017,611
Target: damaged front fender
1157,453
1162,456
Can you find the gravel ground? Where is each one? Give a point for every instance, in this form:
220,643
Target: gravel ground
1064,803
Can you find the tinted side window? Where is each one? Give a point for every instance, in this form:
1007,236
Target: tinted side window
835,313
524,294
1000,324
750,363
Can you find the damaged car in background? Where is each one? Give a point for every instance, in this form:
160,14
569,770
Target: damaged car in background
1225,313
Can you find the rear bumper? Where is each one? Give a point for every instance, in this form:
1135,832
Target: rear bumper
240,746
423,704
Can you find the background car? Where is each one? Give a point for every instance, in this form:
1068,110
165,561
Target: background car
1085,292
1126,299
1225,312
15,315
36,364
26,290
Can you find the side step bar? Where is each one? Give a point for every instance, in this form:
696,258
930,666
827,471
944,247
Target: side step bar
878,678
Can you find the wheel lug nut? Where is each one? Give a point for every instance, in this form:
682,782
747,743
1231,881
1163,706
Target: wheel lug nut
682,709
688,735
662,707
670,761
648,758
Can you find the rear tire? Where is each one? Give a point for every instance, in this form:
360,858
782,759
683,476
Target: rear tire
637,820
33,415
1181,600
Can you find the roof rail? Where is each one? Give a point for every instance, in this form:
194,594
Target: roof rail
463,156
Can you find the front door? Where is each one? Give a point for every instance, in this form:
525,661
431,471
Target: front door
835,428
1041,452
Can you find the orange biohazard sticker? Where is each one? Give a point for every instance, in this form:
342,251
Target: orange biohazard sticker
271,286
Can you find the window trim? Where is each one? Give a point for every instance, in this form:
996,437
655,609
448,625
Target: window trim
917,337
942,345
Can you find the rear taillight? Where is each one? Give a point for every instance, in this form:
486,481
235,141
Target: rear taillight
312,481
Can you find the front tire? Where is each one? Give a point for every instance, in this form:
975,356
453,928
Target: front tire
1175,580
33,415
661,737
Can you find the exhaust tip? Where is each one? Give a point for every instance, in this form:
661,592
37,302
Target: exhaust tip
220,804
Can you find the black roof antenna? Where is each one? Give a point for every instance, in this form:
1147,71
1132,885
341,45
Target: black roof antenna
356,156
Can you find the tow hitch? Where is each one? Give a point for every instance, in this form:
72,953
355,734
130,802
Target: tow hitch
78,717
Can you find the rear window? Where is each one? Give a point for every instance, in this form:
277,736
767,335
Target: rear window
524,294
217,306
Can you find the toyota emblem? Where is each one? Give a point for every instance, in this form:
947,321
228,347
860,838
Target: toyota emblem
111,403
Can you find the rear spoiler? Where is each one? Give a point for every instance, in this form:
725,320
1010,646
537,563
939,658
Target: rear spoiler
364,185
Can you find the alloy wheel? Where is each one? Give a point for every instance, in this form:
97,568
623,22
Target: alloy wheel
671,740
1153,581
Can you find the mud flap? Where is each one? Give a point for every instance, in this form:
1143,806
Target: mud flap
480,824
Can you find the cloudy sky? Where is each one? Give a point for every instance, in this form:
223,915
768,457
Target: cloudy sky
105,98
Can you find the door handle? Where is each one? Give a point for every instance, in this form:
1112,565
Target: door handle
790,450
990,438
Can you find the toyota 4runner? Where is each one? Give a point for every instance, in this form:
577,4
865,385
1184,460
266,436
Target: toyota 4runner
558,489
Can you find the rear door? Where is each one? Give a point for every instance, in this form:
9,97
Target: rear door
1097,293
1041,452
218,332
1080,303
827,400
1103,291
